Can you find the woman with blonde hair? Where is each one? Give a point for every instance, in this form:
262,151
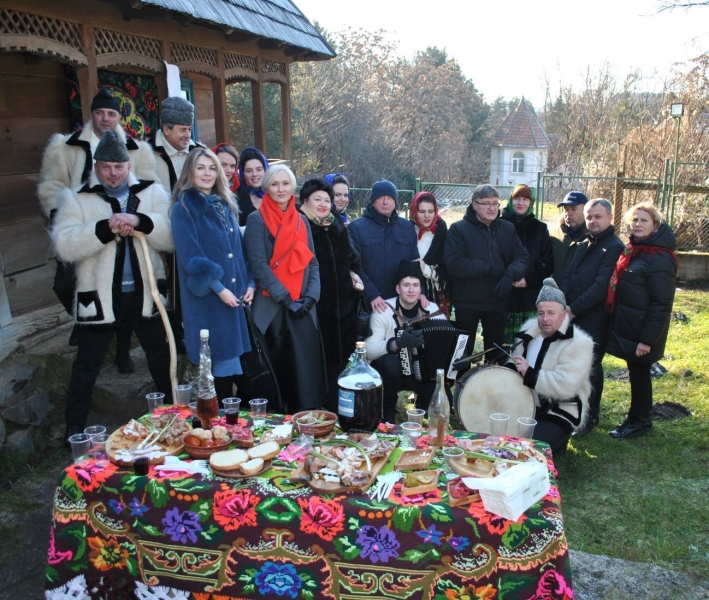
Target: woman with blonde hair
640,297
280,248
215,277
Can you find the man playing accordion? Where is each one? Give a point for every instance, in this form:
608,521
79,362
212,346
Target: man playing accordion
393,332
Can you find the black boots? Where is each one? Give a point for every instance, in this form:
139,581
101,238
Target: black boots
630,429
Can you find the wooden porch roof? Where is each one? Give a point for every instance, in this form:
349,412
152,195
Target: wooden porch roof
279,20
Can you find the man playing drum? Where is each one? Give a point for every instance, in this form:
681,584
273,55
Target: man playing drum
555,360
383,346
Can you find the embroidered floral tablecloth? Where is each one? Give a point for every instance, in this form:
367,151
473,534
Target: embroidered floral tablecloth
116,535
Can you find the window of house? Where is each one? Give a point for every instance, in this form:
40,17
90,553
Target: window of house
518,162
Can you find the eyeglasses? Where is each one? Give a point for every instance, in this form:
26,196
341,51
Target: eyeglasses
485,205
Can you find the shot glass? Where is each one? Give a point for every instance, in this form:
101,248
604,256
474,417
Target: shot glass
141,458
415,415
155,401
98,448
306,427
498,423
451,453
95,430
182,394
80,446
525,427
411,433
258,411
231,410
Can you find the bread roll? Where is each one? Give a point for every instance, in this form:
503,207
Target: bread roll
252,467
265,451
228,460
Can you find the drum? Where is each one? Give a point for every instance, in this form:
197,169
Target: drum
490,388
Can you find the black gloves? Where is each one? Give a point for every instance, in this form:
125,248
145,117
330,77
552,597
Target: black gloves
410,338
302,307
503,287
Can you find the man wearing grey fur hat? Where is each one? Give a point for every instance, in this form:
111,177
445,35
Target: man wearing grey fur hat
173,142
93,229
554,359
68,163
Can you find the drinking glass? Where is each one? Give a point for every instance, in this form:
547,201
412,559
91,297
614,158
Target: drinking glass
415,415
525,427
258,411
451,452
231,410
98,448
155,401
182,394
498,423
80,446
412,432
95,430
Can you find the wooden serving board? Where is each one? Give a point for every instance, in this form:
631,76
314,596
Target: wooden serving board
237,474
484,468
328,487
116,441
415,460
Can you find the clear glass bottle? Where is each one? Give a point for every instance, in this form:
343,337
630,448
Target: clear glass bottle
207,403
360,394
439,411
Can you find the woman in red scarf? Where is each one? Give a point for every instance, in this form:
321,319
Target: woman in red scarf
432,231
280,248
640,297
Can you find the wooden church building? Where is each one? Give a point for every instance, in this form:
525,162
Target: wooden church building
55,54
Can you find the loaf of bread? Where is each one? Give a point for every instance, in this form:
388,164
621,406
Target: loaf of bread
265,451
228,460
252,467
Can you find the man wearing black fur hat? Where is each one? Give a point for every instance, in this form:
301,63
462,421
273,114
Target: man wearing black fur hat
93,229
383,346
68,163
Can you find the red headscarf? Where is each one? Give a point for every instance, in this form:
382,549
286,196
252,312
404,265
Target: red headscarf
234,183
291,254
413,213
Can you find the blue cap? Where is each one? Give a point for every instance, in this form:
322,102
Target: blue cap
573,199
383,187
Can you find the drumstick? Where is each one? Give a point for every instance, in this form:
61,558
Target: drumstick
501,349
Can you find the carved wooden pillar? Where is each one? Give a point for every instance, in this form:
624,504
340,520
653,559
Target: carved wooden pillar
88,75
259,115
161,78
286,116
221,121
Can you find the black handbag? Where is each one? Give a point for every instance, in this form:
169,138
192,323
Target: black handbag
258,368
364,311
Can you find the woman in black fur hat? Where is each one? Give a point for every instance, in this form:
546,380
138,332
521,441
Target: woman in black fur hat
340,282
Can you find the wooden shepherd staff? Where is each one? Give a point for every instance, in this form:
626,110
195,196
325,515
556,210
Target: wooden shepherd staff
161,308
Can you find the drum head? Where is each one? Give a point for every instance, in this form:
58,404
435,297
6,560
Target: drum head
488,389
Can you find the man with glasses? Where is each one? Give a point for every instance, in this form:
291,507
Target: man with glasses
484,256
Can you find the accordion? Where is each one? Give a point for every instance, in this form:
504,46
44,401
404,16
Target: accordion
443,345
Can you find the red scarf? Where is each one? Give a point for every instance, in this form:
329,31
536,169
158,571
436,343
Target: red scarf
291,254
414,217
622,265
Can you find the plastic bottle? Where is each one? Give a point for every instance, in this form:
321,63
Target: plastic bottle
360,396
439,411
207,403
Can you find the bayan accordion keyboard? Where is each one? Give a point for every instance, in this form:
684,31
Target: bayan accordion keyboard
443,345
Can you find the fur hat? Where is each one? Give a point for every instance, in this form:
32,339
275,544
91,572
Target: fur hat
104,99
383,187
409,268
111,148
177,111
550,292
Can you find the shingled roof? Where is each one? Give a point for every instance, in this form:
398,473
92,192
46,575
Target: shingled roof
521,129
279,20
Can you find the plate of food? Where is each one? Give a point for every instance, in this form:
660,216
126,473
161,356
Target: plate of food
317,423
345,463
239,463
201,443
159,435
491,456
281,434
419,483
460,494
415,460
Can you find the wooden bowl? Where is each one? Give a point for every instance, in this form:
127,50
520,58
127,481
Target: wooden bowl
319,429
204,451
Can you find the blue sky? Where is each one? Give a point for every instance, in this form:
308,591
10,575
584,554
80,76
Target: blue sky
511,47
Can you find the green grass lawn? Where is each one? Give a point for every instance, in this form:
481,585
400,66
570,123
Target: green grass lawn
645,499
